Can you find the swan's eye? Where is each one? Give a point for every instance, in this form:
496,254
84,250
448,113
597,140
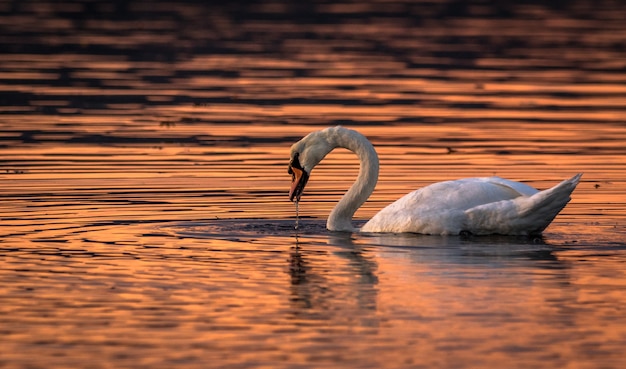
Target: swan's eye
294,163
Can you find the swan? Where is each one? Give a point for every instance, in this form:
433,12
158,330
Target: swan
480,206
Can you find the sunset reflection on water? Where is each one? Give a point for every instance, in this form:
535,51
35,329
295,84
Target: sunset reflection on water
145,218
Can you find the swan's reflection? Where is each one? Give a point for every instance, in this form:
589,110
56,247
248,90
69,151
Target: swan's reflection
364,264
463,249
336,276
343,289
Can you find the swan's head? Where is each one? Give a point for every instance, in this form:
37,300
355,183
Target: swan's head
305,155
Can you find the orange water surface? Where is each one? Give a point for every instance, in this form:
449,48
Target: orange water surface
144,213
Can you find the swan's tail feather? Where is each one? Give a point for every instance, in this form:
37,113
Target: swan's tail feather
525,215
545,205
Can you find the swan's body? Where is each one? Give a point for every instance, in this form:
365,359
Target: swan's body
490,205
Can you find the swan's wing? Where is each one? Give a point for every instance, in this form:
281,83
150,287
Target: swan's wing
478,205
462,194
521,188
439,208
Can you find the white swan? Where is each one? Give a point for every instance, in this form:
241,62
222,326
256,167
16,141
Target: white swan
490,205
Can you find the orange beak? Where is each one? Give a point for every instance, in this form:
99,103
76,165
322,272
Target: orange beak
299,179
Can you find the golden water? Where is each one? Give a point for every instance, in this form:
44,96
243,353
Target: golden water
144,209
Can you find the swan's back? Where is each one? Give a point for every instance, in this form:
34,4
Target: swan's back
477,205
465,193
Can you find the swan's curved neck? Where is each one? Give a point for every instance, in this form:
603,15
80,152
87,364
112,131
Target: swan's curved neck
340,218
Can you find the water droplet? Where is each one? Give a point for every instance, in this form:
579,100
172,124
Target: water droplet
297,215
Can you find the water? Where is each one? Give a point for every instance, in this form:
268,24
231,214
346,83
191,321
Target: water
143,161
297,226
